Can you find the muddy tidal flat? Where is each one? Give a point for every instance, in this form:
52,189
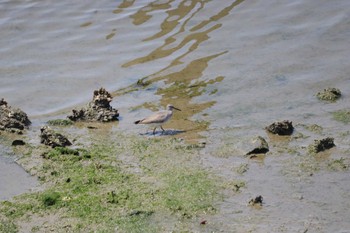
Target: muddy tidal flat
261,143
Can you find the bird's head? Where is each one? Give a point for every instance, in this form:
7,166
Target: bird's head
170,107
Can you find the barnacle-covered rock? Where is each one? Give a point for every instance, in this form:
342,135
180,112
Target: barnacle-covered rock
321,145
98,109
12,119
329,94
51,138
281,128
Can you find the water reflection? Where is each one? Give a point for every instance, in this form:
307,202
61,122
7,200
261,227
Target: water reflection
124,4
182,90
175,16
144,15
182,77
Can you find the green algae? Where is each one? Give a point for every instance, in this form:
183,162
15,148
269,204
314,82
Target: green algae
338,165
8,226
60,122
243,168
314,128
143,82
342,116
188,192
50,198
94,186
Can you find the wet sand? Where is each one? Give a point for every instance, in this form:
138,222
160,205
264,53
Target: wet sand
233,68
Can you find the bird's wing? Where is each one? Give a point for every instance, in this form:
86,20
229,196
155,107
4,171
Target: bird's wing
156,118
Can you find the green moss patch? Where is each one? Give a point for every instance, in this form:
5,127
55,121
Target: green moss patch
8,226
50,198
342,116
98,189
188,192
314,128
60,122
338,165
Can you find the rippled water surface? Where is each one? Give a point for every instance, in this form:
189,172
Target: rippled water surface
233,67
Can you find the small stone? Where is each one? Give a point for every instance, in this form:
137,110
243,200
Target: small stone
203,222
281,128
18,143
258,146
256,201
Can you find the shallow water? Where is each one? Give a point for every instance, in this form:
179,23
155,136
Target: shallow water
233,67
14,180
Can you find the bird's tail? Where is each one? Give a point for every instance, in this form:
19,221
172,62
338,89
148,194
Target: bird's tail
136,122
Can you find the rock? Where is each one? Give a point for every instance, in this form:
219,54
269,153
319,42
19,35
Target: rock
251,146
98,109
321,145
258,199
256,202
203,222
12,119
281,128
18,143
329,94
257,145
53,139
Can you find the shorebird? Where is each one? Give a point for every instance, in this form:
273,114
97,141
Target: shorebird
158,118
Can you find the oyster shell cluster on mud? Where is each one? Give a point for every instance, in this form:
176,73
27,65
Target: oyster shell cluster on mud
15,120
99,109
12,119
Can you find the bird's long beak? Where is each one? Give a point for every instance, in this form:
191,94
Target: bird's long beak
177,109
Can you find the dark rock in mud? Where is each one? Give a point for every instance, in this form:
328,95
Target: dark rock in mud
321,145
281,128
12,119
256,201
53,139
329,94
98,109
18,143
257,145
